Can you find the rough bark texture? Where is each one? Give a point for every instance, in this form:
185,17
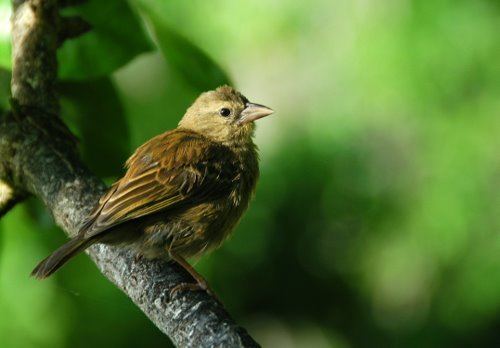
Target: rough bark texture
38,156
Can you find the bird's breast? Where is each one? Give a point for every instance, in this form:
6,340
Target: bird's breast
194,230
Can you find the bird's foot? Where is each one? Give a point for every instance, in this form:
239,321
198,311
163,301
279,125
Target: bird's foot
201,283
138,257
199,286
185,287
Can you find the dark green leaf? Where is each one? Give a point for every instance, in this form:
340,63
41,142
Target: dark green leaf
4,89
116,37
94,112
188,60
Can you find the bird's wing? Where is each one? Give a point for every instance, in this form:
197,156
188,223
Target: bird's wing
175,168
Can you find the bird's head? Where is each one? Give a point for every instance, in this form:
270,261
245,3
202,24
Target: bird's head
224,115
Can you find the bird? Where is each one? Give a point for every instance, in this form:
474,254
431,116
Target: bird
183,191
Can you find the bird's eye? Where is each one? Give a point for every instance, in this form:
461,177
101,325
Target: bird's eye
225,112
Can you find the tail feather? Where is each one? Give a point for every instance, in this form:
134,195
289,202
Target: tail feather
59,257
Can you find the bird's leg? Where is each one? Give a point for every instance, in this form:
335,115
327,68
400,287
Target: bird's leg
201,283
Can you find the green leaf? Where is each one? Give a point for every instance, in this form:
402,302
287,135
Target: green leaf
5,76
21,249
94,112
186,59
5,51
116,37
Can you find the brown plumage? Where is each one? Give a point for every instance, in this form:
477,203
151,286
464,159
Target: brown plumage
183,191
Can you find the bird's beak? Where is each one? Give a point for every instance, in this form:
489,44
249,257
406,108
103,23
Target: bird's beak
253,112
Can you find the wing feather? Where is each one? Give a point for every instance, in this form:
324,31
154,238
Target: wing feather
175,168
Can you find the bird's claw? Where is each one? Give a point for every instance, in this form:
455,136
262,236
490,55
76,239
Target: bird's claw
193,287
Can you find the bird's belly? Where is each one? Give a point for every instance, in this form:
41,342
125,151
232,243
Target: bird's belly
191,233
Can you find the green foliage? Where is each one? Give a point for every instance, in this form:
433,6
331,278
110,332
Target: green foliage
23,305
4,89
116,37
98,119
376,218
111,43
185,58
5,51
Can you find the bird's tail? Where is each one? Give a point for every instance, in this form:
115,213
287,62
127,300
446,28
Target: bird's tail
62,255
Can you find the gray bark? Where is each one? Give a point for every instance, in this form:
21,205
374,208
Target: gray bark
38,156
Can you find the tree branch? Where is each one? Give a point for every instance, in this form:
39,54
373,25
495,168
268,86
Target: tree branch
35,26
10,195
37,155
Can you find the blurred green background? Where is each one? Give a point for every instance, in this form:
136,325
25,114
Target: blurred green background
377,216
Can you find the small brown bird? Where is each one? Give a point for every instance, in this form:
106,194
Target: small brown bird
184,190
